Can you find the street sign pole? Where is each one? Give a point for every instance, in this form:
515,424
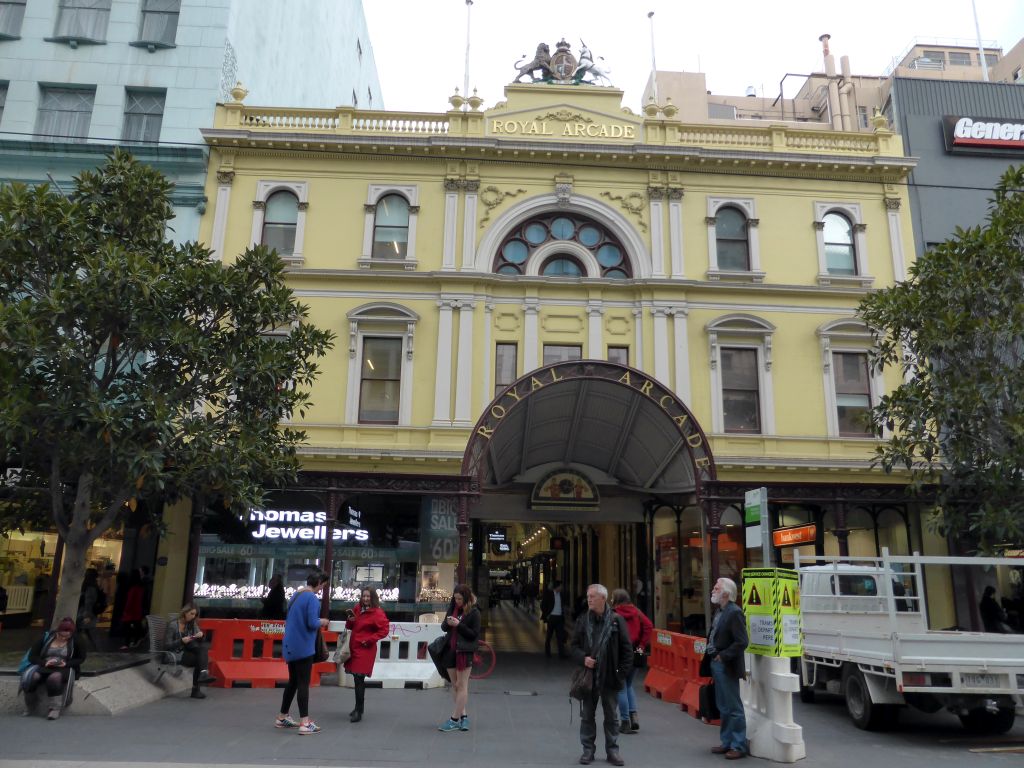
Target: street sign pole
755,515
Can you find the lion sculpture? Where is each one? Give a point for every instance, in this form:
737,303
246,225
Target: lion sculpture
541,61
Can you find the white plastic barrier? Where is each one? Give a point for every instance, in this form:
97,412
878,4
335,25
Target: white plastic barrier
402,659
19,599
768,702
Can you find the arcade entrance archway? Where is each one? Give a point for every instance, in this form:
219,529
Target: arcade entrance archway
611,426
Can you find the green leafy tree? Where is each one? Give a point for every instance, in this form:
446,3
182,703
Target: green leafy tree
955,330
136,368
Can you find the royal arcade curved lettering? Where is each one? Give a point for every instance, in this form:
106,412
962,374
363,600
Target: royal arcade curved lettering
655,392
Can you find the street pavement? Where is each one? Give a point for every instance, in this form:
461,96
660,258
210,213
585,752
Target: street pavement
520,716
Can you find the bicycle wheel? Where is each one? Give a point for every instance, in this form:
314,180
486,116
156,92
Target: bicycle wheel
483,662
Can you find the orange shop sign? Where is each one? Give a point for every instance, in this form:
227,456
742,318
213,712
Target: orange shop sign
795,536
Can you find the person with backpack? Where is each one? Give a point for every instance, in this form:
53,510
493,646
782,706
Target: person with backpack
50,662
640,629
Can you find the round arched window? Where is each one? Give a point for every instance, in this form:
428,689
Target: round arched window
521,243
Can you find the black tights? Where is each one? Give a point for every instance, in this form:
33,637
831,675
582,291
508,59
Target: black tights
299,672
195,655
360,690
54,682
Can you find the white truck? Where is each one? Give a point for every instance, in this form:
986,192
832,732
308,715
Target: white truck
866,637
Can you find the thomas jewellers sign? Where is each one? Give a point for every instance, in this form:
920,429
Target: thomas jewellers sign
983,135
295,525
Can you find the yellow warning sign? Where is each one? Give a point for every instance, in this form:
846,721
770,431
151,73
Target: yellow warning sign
771,602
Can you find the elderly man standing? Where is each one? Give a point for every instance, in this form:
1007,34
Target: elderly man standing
600,642
726,644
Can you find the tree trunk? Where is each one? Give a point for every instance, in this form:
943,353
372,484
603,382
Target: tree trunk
75,548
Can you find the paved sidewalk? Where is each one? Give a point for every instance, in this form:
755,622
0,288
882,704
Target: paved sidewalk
520,717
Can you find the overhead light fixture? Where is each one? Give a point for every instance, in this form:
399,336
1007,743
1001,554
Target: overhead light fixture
369,362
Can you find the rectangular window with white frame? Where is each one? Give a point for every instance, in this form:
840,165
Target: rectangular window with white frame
852,381
64,113
12,12
381,380
143,115
505,362
741,397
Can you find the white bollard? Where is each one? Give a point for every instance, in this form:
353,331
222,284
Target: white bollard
767,695
398,661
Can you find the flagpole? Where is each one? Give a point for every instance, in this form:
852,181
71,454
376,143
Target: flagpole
654,66
981,49
465,82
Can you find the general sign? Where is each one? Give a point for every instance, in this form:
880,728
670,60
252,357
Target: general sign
771,603
983,135
795,536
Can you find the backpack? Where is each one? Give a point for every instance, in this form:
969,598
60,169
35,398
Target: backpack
25,663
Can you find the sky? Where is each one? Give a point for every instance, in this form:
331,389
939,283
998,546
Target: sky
420,45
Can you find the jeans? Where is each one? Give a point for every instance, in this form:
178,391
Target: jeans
588,723
733,730
627,696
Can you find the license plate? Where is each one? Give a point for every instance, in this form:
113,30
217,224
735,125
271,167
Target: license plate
979,681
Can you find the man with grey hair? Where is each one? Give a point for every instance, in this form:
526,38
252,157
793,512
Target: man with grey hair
727,641
600,643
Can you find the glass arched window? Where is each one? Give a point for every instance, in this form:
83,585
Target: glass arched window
279,222
562,266
732,240
391,228
521,243
840,256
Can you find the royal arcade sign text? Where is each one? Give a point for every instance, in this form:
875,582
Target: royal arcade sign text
570,129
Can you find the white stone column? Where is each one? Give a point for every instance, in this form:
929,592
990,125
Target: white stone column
656,195
220,215
451,213
530,340
675,231
443,381
487,369
660,316
469,227
464,366
595,333
899,264
638,328
682,354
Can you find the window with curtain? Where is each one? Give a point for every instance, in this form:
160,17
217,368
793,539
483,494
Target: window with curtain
64,114
504,365
618,355
143,115
279,221
83,19
853,392
11,14
391,228
741,398
731,240
159,21
561,353
840,253
381,379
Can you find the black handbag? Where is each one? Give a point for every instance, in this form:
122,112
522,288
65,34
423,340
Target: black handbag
320,648
437,649
581,683
707,706
705,666
639,658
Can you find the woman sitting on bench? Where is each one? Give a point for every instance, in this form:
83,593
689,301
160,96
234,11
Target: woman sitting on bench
52,659
185,640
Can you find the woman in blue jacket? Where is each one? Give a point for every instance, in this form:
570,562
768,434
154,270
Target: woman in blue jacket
298,649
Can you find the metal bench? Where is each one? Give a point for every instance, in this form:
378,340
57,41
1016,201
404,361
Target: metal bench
163,660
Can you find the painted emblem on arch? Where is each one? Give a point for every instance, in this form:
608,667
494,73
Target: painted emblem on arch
565,489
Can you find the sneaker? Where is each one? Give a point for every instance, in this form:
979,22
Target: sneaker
625,727
53,714
449,725
285,722
310,727
464,723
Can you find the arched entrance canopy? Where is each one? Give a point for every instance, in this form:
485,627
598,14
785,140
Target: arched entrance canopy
597,414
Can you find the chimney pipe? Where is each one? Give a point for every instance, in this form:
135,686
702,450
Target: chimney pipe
824,43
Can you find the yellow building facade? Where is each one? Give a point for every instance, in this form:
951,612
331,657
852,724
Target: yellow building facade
709,272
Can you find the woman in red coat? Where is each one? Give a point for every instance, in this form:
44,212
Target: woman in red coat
368,624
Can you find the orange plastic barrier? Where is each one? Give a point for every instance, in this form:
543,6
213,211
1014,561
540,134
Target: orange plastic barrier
673,672
246,653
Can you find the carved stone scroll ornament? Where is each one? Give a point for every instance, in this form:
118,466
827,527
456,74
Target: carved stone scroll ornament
225,177
892,203
492,197
634,202
565,116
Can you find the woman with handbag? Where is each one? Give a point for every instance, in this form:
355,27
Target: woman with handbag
298,648
462,623
367,624
640,629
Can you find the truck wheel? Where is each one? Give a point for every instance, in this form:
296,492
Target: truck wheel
865,715
981,721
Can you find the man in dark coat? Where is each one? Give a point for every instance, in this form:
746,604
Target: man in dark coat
726,643
552,611
600,642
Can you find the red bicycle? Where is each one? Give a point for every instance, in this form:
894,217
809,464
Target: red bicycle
483,662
